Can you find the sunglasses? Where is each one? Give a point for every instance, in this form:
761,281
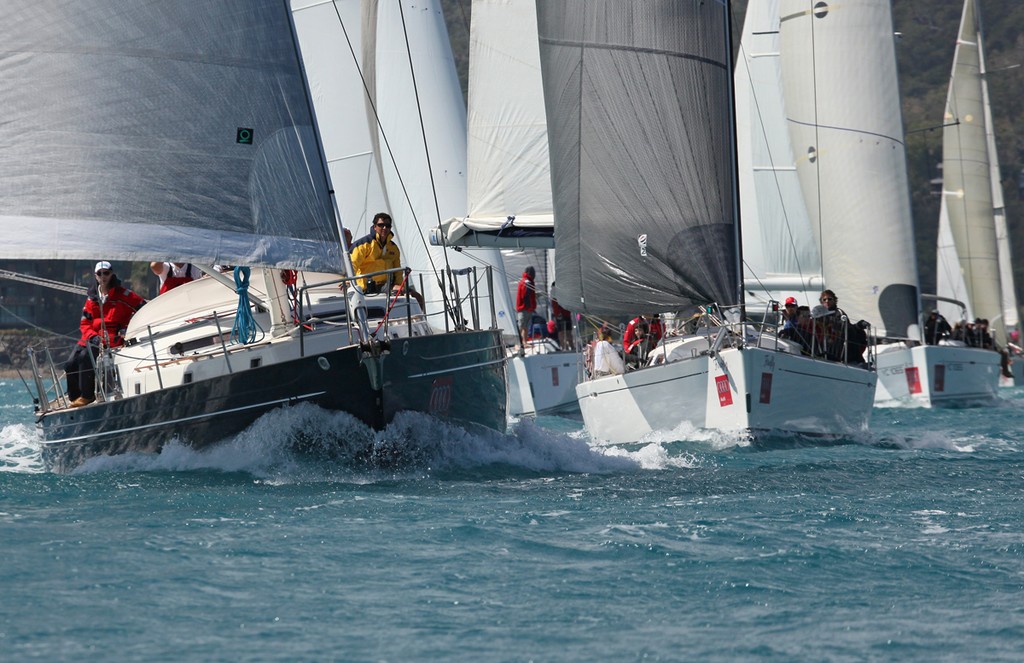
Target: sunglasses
383,225
104,272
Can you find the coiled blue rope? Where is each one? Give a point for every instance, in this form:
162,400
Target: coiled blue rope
244,330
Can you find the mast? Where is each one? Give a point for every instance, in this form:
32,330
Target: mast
740,295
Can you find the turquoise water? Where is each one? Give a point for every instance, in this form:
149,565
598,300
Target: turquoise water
905,545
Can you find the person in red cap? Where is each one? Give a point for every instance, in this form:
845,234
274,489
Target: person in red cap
789,315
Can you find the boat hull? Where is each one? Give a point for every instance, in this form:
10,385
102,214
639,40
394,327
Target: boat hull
540,384
945,376
458,376
735,390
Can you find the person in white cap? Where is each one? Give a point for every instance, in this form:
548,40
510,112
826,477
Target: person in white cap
109,307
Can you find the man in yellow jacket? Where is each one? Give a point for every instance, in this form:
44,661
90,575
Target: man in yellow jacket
376,252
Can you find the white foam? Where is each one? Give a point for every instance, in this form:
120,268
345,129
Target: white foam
19,449
307,443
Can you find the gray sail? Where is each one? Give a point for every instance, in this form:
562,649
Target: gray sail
638,104
152,130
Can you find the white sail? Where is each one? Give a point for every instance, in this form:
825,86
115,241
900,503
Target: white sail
966,174
949,278
1011,317
189,142
410,144
780,254
842,104
509,174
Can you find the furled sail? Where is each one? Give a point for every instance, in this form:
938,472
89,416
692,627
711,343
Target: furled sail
780,254
843,107
638,98
966,175
141,130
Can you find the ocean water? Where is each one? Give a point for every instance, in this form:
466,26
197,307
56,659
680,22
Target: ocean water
905,544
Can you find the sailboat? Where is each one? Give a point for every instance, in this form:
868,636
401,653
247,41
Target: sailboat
185,132
509,192
842,103
972,259
641,133
969,70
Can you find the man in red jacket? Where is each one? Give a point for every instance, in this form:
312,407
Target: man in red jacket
108,308
526,305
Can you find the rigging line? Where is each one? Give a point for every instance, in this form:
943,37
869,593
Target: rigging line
379,125
35,326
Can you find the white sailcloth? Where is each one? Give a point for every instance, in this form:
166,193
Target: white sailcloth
967,185
780,254
509,172
847,132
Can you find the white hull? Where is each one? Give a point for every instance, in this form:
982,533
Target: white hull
753,389
543,383
936,376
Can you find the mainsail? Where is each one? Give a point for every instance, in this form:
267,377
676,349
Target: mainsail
843,106
134,131
967,186
638,98
780,253
509,190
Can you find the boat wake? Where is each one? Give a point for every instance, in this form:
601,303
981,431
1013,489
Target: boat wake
306,443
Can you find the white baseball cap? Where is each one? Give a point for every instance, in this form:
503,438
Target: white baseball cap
102,264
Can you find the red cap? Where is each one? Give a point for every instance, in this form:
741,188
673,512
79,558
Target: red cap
790,300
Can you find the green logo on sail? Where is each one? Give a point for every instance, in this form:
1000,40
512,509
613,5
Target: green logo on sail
244,136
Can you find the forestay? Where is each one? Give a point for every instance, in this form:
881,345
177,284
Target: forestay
638,98
148,129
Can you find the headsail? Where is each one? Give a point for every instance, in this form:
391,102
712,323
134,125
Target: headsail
843,106
143,130
780,253
966,175
639,110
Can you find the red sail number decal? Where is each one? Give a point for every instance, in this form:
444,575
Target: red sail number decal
913,380
441,395
724,394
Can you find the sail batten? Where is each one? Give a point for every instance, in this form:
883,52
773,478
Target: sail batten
638,114
153,130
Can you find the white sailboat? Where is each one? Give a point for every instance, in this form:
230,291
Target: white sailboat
184,132
640,124
842,101
509,192
974,276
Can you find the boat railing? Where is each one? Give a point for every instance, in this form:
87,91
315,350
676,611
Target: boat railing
828,338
